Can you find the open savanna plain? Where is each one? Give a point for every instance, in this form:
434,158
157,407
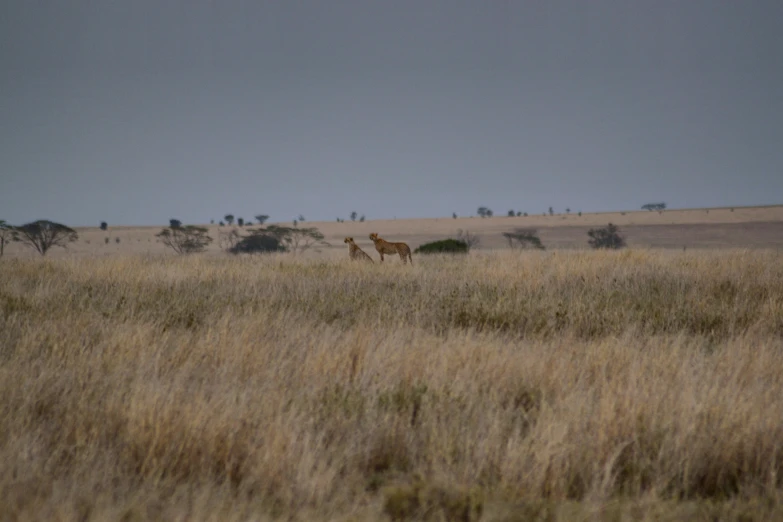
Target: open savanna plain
558,385
740,227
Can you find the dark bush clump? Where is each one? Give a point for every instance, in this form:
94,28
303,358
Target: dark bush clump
444,246
608,237
258,244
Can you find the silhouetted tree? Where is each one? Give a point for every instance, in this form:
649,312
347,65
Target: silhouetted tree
229,219
551,211
241,222
175,223
484,212
607,237
361,219
454,215
301,218
511,213
519,213
354,215
185,239
42,235
524,238
568,211
654,206
104,225
262,218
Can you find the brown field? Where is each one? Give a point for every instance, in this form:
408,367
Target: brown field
638,385
744,227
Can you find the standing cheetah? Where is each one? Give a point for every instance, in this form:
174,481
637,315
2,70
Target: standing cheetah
356,253
385,247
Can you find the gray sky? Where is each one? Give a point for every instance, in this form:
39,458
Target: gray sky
137,111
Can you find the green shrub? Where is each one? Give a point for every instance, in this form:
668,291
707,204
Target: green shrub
444,246
258,244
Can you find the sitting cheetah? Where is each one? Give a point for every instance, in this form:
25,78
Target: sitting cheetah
355,252
385,247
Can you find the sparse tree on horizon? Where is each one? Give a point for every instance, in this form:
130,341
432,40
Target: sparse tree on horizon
484,212
354,215
241,222
104,225
229,219
175,223
262,218
42,235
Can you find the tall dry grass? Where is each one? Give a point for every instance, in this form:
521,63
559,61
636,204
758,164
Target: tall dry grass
598,386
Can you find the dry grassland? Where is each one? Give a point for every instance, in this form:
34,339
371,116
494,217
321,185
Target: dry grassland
501,386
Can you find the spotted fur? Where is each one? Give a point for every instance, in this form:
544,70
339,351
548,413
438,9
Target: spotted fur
356,253
385,247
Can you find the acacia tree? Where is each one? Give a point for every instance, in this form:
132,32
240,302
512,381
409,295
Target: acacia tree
261,218
229,219
185,240
296,239
42,235
524,238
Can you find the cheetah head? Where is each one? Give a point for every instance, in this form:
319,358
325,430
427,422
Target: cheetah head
348,240
373,236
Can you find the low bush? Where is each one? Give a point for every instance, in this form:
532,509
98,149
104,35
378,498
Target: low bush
444,246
